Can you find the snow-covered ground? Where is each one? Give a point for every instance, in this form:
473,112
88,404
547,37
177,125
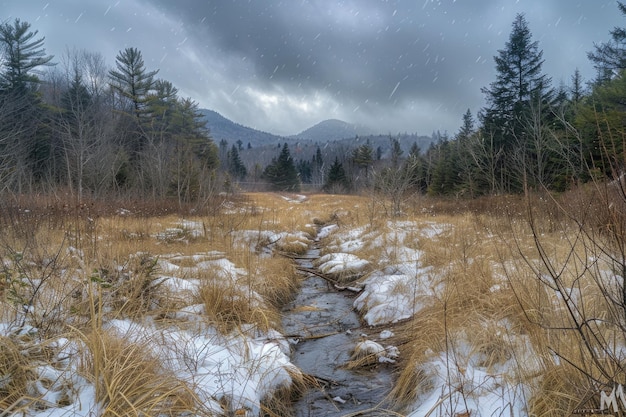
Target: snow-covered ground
237,369
460,384
242,368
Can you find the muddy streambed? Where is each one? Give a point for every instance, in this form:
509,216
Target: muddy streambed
324,329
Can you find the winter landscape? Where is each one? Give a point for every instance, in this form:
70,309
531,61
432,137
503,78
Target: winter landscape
125,314
160,259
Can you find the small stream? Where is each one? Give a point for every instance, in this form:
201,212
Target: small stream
329,330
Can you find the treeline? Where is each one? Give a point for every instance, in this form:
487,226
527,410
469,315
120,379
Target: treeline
530,135
86,129
90,130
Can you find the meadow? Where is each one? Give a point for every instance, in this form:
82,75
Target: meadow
509,305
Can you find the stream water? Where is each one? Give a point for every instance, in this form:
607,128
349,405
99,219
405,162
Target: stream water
326,329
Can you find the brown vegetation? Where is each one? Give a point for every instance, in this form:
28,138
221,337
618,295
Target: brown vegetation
502,271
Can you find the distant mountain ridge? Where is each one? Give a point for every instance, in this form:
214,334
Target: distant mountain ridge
334,137
333,129
222,128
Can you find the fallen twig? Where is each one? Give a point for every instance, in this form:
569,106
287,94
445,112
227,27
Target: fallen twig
316,273
312,337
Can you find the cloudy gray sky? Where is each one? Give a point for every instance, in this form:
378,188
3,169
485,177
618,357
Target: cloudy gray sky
282,66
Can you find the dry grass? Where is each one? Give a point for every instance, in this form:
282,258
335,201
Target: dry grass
490,289
492,273
16,374
74,267
278,405
130,380
229,307
276,280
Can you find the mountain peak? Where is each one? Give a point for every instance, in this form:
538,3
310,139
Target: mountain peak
333,129
221,128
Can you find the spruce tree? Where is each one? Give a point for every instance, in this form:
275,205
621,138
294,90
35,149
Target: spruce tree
416,166
467,171
235,166
305,171
319,160
336,180
282,173
467,128
396,151
609,58
600,123
519,89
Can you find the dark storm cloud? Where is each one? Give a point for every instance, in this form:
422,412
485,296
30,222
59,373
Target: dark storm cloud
382,52
282,66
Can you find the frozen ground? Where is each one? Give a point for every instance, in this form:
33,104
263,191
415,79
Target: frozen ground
242,368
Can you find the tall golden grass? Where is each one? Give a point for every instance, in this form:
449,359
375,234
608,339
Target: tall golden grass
130,379
65,269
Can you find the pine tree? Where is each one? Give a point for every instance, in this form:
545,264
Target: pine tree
282,172
160,107
132,81
21,55
609,58
337,180
519,90
25,145
363,156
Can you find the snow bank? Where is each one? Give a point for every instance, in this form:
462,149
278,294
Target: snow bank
235,369
382,354
341,265
469,390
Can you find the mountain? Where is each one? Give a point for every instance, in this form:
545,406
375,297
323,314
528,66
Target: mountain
332,129
222,128
328,130
334,137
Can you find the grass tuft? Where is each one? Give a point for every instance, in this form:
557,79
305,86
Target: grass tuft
130,379
16,374
228,307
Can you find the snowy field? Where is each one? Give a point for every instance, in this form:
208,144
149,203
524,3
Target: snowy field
468,371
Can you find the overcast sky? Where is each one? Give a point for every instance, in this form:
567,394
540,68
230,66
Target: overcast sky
282,66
